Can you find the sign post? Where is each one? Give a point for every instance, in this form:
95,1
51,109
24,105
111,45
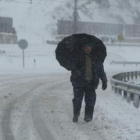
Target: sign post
120,38
23,44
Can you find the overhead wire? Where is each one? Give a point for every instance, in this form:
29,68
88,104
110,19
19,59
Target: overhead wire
85,4
40,0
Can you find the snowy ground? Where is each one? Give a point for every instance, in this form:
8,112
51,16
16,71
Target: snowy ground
35,101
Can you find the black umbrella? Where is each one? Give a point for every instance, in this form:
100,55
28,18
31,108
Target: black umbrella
70,49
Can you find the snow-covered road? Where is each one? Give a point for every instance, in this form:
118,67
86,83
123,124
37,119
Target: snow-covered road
17,93
36,102
39,107
33,108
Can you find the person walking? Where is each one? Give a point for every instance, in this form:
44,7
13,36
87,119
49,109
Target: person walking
85,78
83,55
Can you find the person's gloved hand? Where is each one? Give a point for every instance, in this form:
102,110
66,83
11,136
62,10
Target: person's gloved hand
104,85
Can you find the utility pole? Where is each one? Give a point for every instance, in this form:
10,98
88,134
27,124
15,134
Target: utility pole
75,13
75,17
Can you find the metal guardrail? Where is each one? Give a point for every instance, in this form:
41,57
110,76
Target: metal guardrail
126,62
121,85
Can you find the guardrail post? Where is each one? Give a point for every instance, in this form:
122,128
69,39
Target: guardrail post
123,77
128,76
124,94
132,75
136,101
137,73
136,76
128,97
120,91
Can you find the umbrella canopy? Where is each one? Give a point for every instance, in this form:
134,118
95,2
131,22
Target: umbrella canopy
71,48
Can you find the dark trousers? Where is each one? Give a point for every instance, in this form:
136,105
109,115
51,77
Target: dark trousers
90,98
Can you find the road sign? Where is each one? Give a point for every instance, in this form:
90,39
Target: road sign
120,37
23,44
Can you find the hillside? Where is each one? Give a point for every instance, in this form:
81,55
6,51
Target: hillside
38,21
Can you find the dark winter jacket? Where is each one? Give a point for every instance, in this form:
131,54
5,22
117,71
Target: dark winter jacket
78,78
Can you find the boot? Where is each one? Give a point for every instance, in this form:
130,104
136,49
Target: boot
88,118
76,113
88,113
75,118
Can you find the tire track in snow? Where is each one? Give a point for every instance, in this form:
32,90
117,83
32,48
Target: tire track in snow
6,120
40,126
6,128
9,81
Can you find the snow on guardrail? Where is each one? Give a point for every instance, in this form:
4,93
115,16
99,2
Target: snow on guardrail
129,91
